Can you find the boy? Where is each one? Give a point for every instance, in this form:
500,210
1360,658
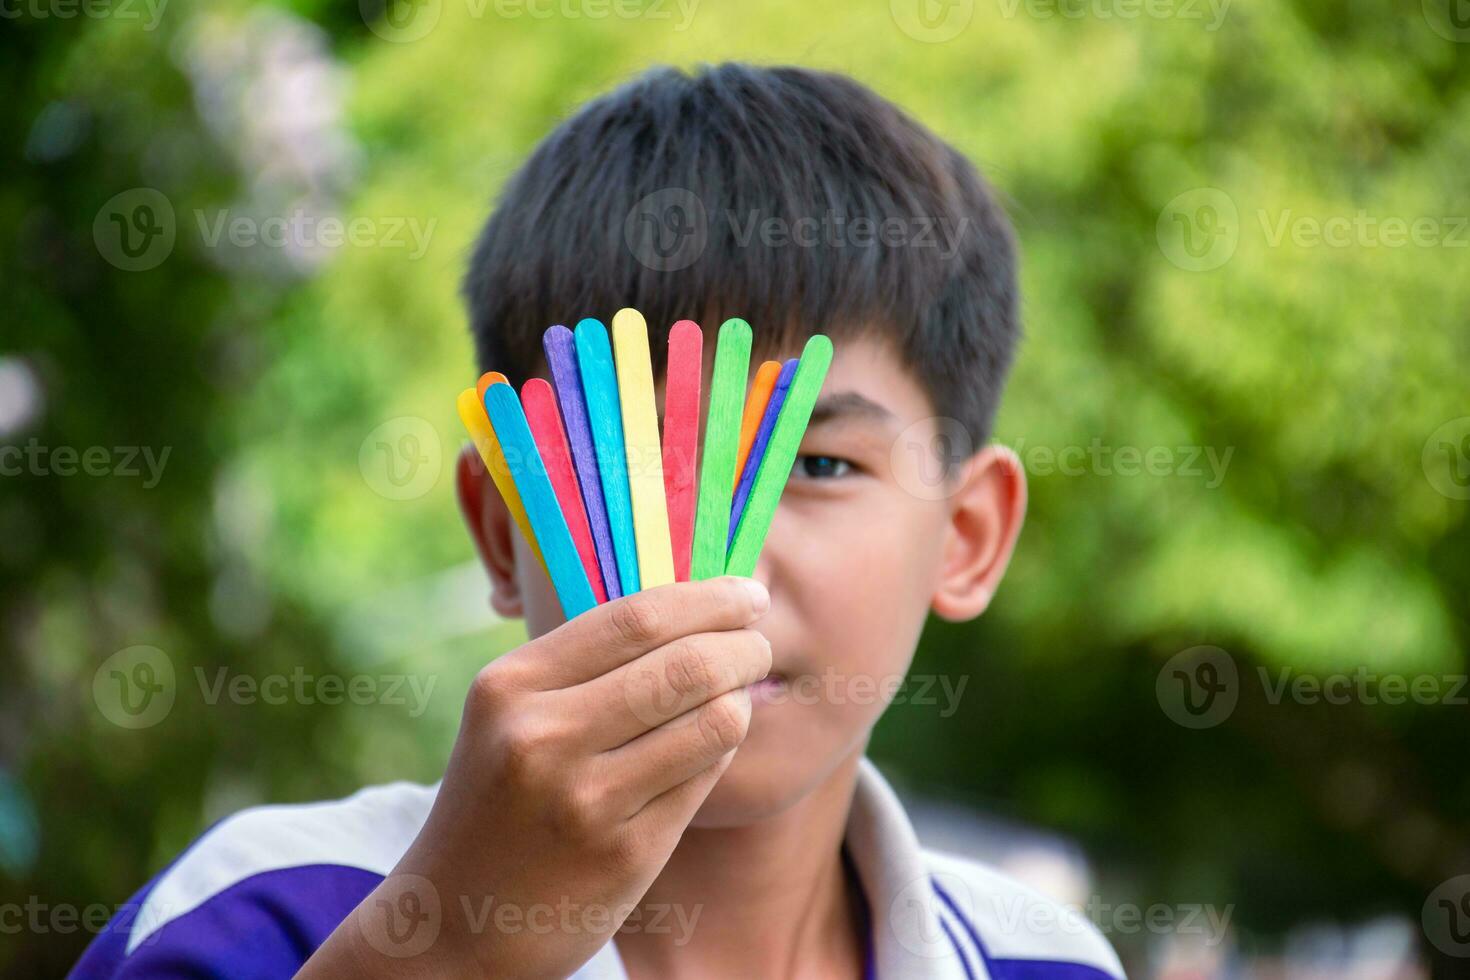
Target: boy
673,784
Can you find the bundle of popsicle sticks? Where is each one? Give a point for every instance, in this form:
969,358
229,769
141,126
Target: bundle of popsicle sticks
608,505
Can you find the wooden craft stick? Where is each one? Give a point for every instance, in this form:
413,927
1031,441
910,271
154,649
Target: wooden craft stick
542,416
775,468
682,383
600,388
762,440
486,380
472,414
563,565
640,440
755,410
721,444
561,355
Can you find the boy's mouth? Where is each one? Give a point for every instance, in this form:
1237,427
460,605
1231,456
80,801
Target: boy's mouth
768,690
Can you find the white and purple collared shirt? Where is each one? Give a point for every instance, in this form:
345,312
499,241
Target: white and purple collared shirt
258,892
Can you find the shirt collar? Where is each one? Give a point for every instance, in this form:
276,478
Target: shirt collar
910,936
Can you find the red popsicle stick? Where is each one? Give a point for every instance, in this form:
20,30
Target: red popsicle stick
542,416
681,437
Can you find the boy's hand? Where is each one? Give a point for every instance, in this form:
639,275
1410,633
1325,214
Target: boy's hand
581,758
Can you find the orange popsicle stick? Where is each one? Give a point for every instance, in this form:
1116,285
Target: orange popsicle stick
472,413
486,380
755,407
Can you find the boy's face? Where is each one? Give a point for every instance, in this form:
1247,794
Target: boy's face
865,542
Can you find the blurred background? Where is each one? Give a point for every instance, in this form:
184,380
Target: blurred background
1220,701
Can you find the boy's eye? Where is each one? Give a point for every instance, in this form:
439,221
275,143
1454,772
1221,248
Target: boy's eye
822,467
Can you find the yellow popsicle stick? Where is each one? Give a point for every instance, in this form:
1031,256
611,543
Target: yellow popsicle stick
472,414
641,441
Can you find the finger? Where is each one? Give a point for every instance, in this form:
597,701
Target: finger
674,808
663,684
677,751
612,634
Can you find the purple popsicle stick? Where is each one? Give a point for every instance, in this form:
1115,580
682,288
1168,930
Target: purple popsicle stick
758,448
560,346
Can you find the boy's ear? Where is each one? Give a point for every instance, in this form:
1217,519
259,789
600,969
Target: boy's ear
491,527
987,510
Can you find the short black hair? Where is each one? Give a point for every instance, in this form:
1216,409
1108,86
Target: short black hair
798,200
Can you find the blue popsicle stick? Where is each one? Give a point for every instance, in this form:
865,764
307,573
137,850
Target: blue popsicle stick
758,447
563,564
605,415
561,356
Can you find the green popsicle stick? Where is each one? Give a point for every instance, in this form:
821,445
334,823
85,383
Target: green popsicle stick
770,479
721,446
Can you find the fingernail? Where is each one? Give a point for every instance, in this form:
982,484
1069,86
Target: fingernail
760,599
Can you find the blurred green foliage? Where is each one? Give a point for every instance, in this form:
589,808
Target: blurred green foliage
1315,373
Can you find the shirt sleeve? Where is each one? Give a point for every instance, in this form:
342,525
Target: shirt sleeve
265,925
